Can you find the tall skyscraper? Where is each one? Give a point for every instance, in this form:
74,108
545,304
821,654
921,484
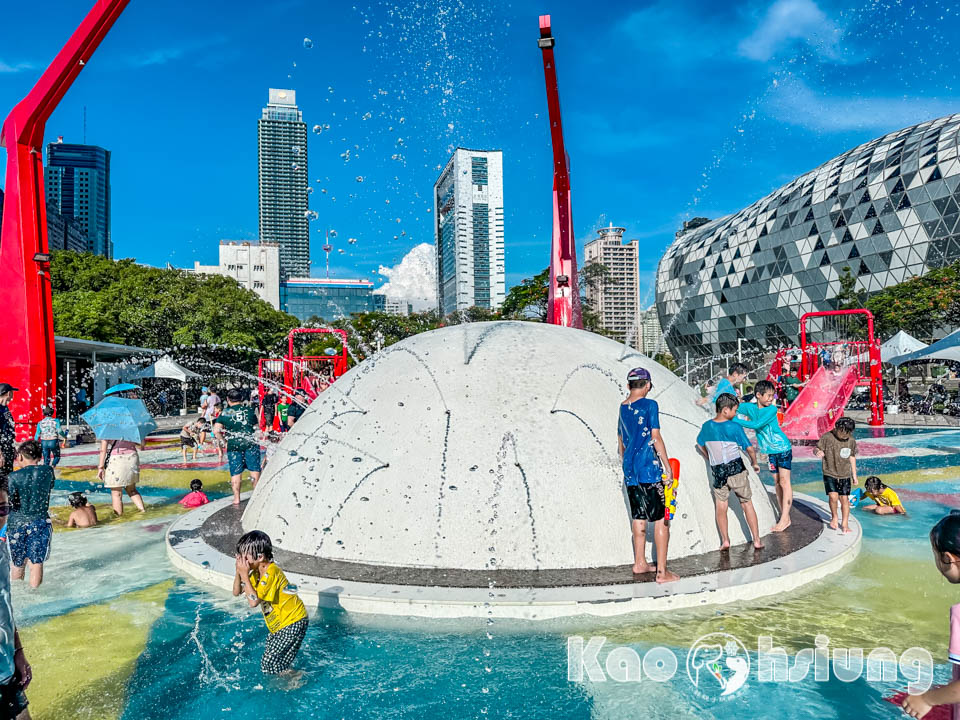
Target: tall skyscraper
282,162
468,229
77,184
615,300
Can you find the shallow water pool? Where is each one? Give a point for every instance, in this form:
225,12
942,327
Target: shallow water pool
115,632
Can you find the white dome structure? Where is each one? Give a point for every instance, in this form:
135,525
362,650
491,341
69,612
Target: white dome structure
483,446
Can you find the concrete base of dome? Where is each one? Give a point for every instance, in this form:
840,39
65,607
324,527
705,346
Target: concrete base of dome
201,544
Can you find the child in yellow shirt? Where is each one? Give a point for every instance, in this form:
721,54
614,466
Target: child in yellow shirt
887,501
265,586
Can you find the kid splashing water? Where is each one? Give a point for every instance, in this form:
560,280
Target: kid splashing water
265,586
886,501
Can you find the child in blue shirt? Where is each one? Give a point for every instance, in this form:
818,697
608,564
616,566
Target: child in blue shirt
720,442
646,471
762,418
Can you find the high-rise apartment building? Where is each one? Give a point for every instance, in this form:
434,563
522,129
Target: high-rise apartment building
282,163
614,298
651,334
255,266
77,184
468,230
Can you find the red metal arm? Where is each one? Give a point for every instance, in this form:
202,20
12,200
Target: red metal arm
29,360
563,306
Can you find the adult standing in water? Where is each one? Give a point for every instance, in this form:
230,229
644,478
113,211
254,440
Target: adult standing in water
238,425
8,429
119,468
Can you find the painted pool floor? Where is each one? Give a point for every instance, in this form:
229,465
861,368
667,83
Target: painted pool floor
115,633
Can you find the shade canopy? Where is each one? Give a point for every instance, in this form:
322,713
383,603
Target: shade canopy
900,344
946,349
165,367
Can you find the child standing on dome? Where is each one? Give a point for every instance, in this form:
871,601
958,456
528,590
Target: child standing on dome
646,471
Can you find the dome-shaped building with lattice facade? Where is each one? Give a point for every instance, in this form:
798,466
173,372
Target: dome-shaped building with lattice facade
888,210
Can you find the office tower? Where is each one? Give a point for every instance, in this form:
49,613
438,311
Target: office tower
64,233
282,164
256,266
77,184
615,299
326,299
468,230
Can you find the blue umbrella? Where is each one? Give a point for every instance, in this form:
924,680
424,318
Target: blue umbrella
122,387
117,418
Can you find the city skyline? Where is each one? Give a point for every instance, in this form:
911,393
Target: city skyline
762,92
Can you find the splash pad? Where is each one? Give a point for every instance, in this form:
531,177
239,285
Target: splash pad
473,471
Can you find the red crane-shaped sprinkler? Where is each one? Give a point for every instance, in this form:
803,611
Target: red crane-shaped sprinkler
28,361
563,306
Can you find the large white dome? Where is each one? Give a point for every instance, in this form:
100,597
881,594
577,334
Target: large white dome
482,446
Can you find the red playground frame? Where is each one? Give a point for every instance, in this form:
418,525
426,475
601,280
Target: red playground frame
862,357
293,372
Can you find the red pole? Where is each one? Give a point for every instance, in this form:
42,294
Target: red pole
563,301
29,359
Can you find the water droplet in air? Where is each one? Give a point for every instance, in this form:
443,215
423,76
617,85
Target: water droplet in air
318,129
307,43
359,178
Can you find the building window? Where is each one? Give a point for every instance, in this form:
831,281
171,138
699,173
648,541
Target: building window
479,171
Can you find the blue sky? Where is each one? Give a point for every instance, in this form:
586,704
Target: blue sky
671,109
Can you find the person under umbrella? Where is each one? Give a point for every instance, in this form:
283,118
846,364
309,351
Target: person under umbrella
121,423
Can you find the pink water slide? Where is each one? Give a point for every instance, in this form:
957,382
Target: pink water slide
820,404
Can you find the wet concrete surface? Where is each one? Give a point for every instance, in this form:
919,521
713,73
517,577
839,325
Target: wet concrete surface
222,529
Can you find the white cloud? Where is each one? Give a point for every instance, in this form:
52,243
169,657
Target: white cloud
15,68
413,279
788,22
798,104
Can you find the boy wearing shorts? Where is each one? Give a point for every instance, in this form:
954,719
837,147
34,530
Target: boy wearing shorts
265,586
838,450
762,418
28,529
646,471
238,423
720,442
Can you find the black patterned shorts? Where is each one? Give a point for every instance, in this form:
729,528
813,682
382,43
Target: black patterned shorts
282,647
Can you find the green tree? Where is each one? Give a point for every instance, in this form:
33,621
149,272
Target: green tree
208,319
528,300
919,305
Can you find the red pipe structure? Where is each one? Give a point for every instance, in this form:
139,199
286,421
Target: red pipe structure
809,357
563,302
29,359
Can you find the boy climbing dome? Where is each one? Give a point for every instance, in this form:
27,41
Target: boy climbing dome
646,471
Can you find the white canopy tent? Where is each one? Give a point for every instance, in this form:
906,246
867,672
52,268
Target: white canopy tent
900,344
166,367
946,349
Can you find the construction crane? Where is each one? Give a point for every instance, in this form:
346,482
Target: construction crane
563,302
